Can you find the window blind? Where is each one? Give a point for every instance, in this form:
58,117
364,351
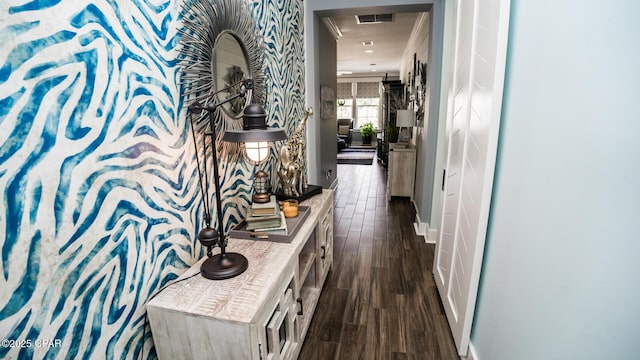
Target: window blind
344,91
368,90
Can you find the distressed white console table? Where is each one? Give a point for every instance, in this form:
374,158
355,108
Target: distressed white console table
263,313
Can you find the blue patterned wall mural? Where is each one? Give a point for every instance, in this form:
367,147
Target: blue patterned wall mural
99,203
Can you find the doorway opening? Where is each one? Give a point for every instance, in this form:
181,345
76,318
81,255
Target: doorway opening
320,71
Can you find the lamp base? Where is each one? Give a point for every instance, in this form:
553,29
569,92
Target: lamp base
220,267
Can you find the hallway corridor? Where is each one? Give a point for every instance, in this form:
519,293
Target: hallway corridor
380,300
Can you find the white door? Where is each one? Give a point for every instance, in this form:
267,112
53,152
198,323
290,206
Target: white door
473,119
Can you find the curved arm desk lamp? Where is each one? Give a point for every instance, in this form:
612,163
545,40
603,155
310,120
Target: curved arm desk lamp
227,265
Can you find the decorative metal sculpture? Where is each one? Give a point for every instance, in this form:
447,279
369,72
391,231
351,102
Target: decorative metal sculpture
292,172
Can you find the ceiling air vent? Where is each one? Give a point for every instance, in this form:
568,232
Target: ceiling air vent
374,19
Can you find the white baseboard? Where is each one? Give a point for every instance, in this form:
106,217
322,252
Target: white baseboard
471,354
432,236
422,229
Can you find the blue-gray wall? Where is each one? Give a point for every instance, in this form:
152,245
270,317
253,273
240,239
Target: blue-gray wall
560,275
325,129
99,202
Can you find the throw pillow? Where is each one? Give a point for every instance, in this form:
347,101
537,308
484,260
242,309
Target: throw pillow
343,129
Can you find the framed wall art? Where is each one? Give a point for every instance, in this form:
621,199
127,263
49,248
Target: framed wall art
327,102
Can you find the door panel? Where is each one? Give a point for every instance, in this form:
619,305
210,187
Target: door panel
453,143
472,133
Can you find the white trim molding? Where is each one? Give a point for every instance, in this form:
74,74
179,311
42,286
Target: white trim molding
422,229
432,235
332,27
471,354
416,35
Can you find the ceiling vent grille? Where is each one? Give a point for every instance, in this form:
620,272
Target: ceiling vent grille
374,19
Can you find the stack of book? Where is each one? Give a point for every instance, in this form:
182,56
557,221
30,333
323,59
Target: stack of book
266,218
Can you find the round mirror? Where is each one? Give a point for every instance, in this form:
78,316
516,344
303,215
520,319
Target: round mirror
230,67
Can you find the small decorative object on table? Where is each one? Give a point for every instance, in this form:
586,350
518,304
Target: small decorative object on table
266,218
272,227
405,120
290,208
269,208
261,187
292,172
284,233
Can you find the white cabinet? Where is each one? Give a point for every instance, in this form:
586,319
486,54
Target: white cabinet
263,313
325,244
315,261
401,170
278,329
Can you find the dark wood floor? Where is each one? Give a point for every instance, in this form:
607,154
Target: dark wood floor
380,300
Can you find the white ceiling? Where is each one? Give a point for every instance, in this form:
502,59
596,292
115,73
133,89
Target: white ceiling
389,42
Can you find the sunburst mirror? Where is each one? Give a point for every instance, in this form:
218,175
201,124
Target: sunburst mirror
230,67
218,48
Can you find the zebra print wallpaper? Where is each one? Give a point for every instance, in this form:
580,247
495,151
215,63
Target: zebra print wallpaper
99,202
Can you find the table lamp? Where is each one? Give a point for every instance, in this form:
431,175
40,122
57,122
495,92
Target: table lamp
404,120
227,265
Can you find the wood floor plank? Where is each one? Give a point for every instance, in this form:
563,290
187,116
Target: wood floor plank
381,209
394,243
349,210
316,349
397,284
327,325
396,322
348,260
342,229
447,349
380,294
357,306
399,356
367,234
380,228
422,345
418,313
356,311
376,346
356,223
365,253
353,341
379,257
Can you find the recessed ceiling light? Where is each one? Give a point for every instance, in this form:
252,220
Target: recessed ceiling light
374,70
368,51
344,73
367,43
